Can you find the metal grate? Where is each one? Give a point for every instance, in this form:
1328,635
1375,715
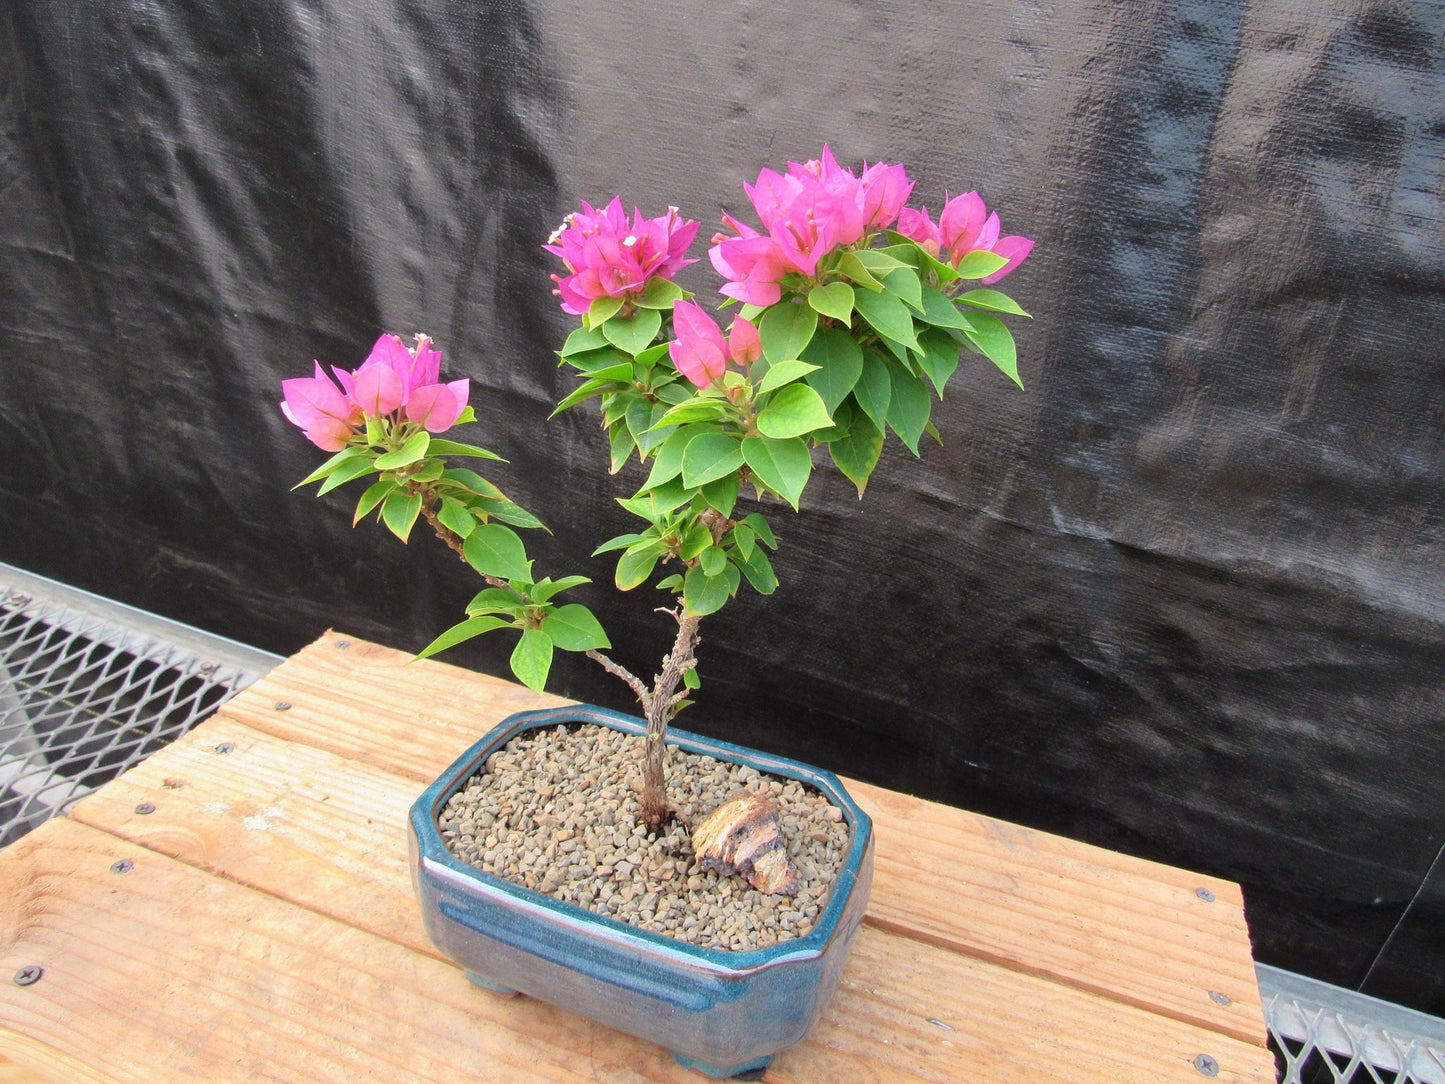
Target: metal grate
1322,1034
89,687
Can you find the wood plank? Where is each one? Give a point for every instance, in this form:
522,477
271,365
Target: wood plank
167,973
304,824
1103,921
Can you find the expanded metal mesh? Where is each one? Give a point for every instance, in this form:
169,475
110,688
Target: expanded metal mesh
1321,1034
89,687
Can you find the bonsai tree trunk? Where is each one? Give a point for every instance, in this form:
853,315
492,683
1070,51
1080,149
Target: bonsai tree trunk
664,701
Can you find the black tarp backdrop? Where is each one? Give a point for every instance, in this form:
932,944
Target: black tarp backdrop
1182,598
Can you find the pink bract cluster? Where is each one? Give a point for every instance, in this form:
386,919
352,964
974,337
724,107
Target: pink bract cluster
806,213
965,225
392,378
700,352
610,257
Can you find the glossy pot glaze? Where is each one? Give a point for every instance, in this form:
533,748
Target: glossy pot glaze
720,1012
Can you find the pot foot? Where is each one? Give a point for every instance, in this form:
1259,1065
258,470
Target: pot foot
490,986
747,1070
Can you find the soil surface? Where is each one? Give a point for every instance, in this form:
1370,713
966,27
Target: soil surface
556,810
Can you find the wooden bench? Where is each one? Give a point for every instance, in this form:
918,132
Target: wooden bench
239,908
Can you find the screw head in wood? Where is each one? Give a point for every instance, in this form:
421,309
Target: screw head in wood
145,808
1206,1065
29,976
1204,894
283,705
125,865
224,748
1220,999
342,645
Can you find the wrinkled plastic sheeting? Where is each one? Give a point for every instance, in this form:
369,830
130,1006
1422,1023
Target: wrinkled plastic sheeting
1181,598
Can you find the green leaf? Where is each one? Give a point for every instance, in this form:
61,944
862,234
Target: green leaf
428,471
656,501
345,472
532,659
874,390
785,330
690,678
582,340
621,542
621,443
856,454
888,316
759,571
781,465
495,550
437,446
454,517
610,364
722,493
695,409
633,333
349,452
992,336
541,592
659,293
600,311
908,407
980,263
903,283
472,482
992,300
414,448
374,495
744,538
697,539
473,626
399,512
588,389
880,263
573,628
795,410
634,568
839,359
710,456
834,299
938,357
704,594
496,600
713,560
785,372
853,267
507,512
760,528
941,312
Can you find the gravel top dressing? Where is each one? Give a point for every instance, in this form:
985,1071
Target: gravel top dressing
556,810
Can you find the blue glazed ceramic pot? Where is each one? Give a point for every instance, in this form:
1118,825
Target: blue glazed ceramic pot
723,1013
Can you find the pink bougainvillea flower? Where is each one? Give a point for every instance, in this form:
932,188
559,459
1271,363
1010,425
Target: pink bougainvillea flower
964,226
437,406
744,344
885,190
807,213
326,416
750,264
392,378
1013,248
700,352
916,224
606,256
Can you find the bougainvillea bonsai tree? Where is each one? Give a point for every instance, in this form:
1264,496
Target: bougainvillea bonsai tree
848,314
